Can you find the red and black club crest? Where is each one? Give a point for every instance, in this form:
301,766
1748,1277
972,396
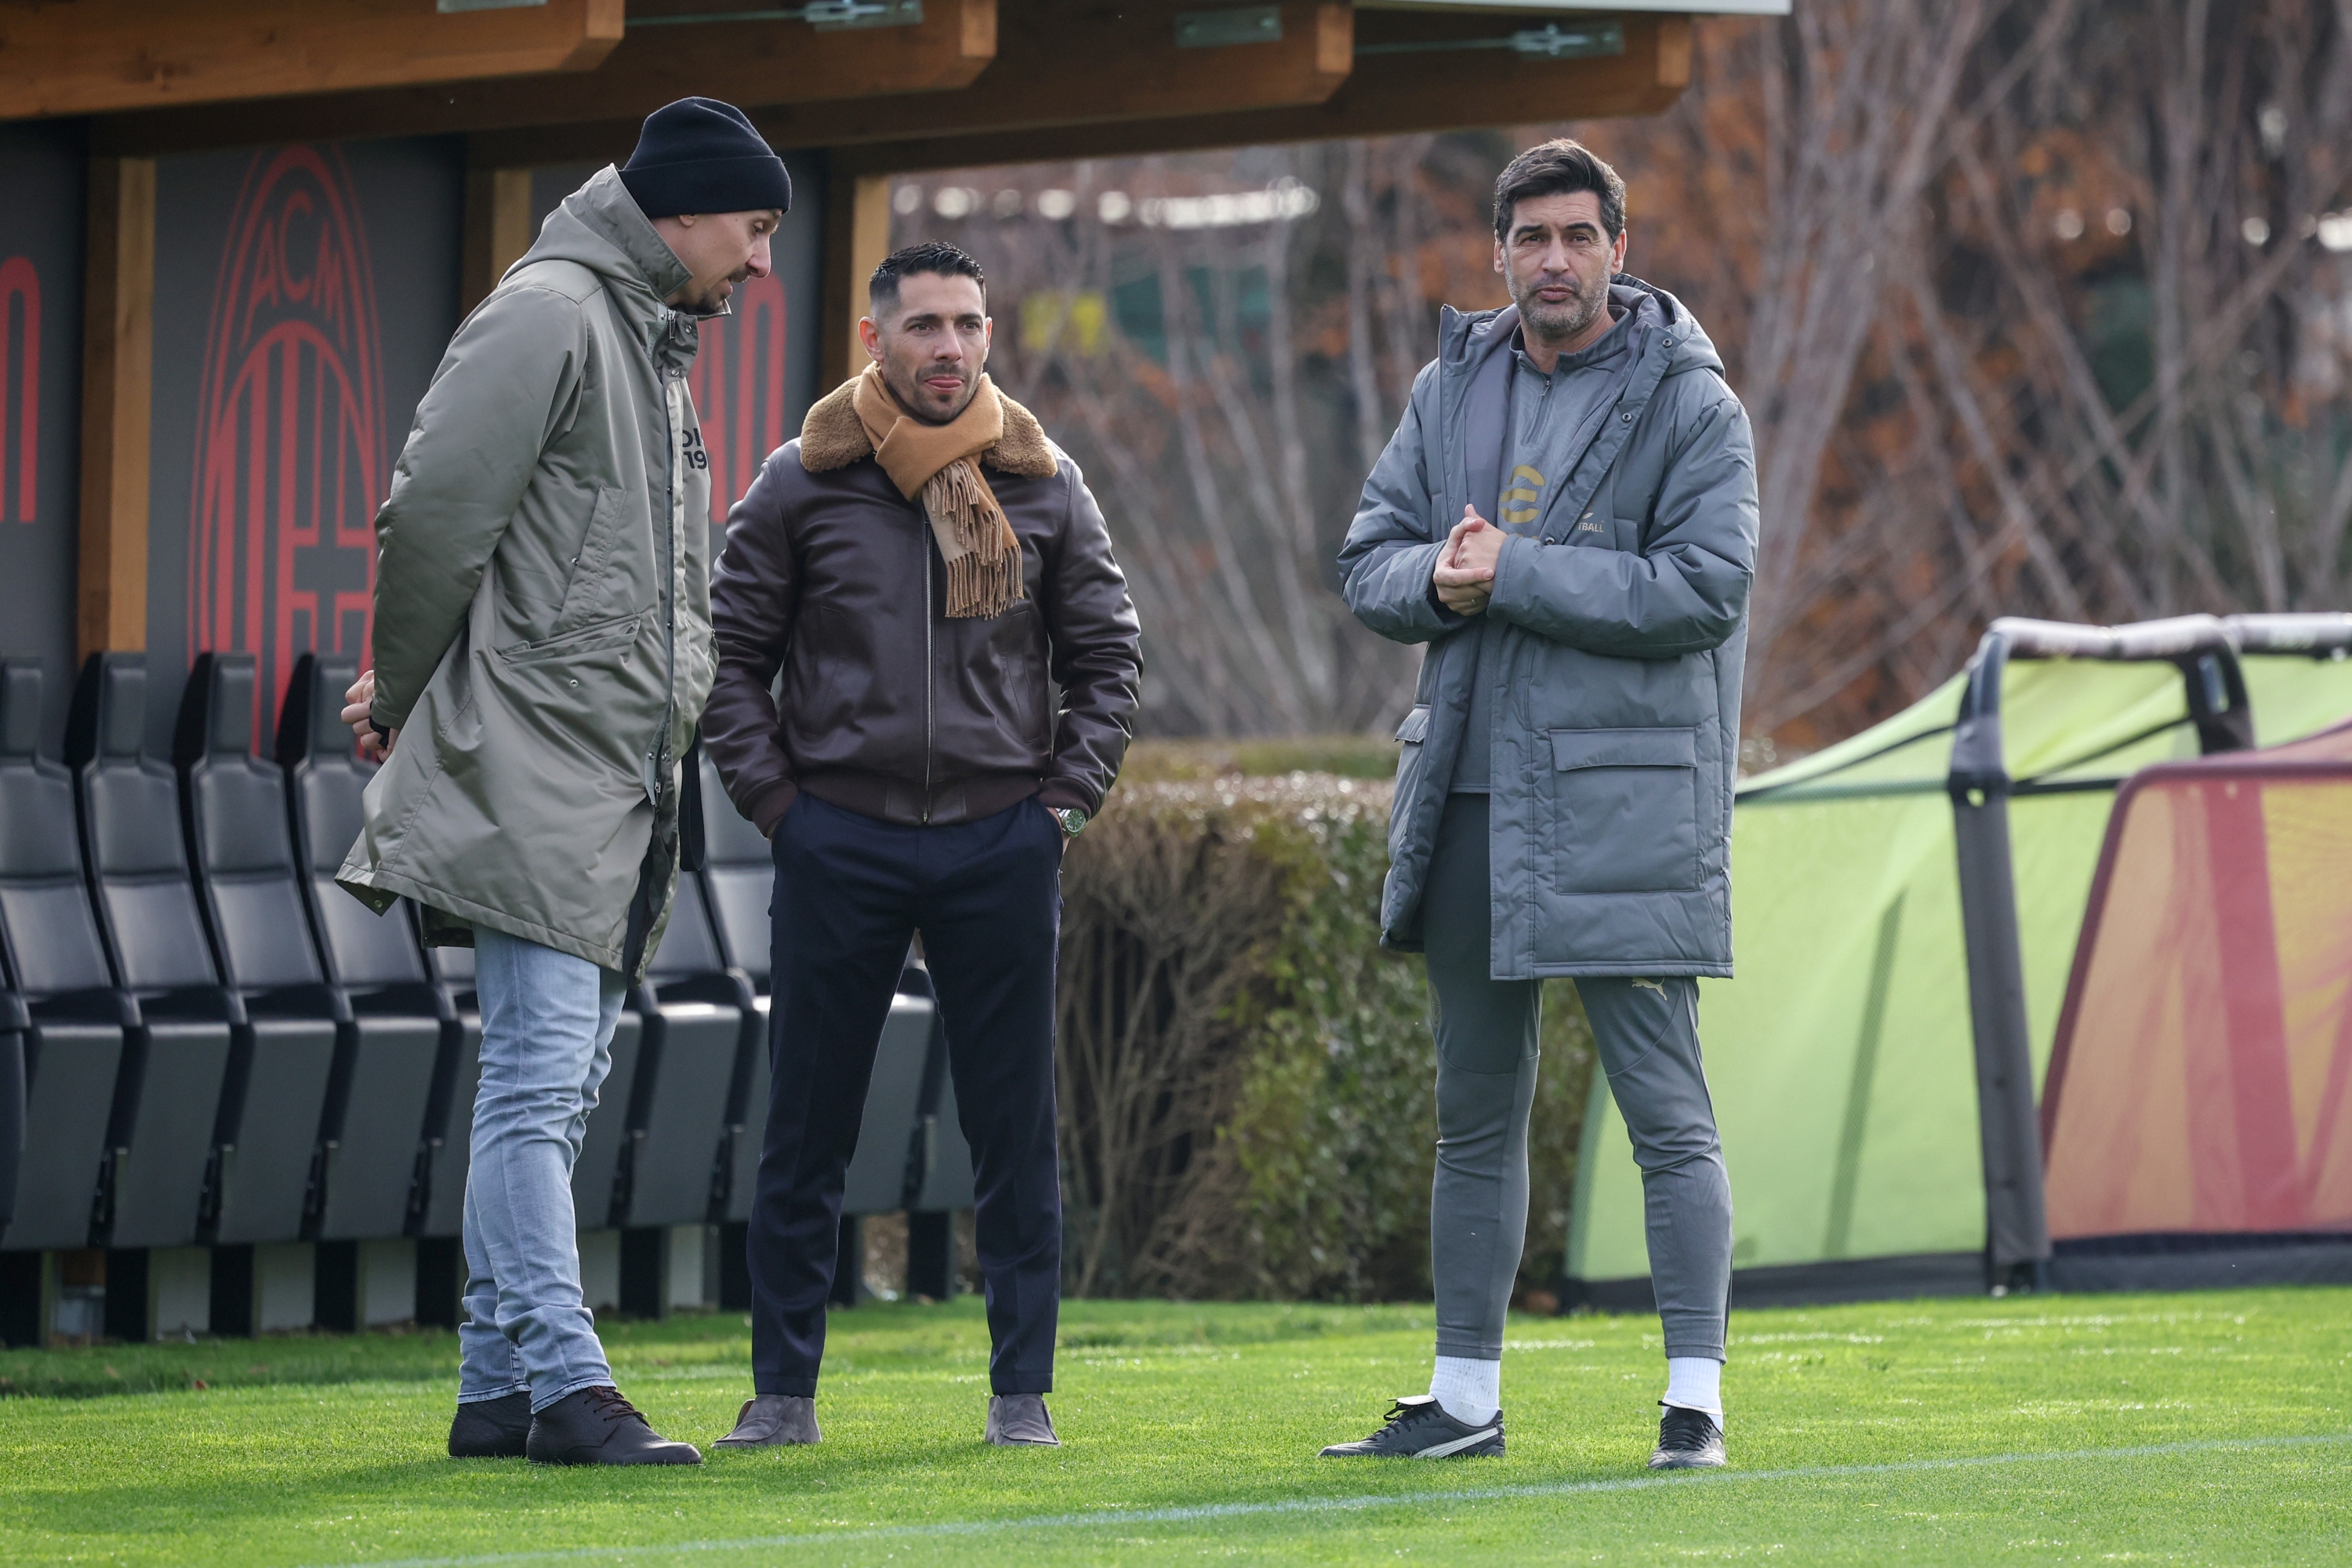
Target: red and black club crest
292,455
20,386
738,383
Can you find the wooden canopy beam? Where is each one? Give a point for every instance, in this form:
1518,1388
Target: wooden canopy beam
856,238
1388,94
94,56
1058,62
118,373
744,63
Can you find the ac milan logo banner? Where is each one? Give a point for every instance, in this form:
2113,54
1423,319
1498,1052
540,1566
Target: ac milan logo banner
738,383
292,455
20,388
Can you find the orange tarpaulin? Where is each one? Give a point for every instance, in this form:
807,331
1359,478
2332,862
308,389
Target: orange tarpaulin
2203,1061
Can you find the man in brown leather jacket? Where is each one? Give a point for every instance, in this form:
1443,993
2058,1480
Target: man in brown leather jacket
927,571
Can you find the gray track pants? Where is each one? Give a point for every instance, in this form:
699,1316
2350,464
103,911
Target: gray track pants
1647,1034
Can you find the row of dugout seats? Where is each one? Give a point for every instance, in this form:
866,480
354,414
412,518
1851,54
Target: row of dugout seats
205,1042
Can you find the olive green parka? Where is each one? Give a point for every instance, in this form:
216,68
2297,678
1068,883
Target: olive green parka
542,603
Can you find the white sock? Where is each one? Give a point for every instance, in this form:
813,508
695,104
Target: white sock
1468,1389
1696,1383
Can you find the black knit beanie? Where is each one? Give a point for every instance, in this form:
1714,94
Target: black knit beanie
699,156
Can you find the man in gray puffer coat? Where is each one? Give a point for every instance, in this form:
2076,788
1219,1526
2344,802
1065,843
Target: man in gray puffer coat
1567,516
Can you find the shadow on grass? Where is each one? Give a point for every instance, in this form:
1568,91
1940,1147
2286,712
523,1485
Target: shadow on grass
877,1334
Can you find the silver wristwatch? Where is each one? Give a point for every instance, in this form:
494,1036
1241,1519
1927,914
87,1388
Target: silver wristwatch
1073,820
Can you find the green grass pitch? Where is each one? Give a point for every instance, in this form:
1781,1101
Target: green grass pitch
2192,1429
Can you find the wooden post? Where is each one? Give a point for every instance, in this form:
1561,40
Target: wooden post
117,398
498,229
1673,51
856,238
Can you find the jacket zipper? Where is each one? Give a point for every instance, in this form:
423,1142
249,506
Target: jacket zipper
669,592
930,705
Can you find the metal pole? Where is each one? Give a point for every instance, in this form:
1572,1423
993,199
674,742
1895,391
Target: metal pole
2017,1232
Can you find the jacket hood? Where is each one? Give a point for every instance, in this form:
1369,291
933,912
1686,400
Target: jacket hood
600,227
1464,336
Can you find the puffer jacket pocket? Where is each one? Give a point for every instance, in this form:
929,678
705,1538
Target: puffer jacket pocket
1413,738
1625,811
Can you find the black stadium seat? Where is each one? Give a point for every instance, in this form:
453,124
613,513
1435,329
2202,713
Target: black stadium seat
233,809
15,1021
695,1013
163,1128
440,1209
59,1013
374,1125
738,878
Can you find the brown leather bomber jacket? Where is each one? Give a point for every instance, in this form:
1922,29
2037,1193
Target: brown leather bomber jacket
889,708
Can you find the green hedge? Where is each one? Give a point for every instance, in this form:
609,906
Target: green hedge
1248,1080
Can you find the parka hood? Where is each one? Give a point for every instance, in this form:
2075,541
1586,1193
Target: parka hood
600,227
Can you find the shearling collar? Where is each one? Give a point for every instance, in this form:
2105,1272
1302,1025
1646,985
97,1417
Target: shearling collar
832,437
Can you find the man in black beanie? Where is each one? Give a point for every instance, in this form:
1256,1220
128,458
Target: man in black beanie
714,190
542,652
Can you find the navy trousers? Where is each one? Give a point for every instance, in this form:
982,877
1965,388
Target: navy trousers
851,892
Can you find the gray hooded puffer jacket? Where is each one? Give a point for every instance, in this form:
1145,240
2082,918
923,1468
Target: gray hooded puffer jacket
1615,652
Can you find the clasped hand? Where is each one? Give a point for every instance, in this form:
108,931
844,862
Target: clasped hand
1465,576
357,701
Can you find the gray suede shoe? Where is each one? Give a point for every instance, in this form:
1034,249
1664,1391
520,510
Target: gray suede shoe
1020,1421
772,1421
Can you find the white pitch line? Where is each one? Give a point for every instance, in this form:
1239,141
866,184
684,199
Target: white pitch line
1189,1513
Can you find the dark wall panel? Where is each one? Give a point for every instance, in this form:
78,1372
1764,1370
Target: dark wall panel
303,296
755,375
42,188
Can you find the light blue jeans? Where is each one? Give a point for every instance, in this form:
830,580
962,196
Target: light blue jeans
547,1044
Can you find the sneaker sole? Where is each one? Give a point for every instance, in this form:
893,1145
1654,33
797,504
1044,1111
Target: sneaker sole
1686,1462
1482,1449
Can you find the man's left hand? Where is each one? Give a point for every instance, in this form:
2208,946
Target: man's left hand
357,701
1477,549
1463,584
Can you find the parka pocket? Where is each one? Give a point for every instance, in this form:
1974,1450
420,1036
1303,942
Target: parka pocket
618,632
1625,810
586,593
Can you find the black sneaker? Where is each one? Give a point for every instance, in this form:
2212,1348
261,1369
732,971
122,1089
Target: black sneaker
1687,1440
491,1428
1419,1428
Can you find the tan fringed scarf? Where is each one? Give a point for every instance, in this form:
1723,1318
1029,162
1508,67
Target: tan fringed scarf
941,462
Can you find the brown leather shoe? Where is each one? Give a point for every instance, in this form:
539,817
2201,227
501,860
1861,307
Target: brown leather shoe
597,1426
772,1421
